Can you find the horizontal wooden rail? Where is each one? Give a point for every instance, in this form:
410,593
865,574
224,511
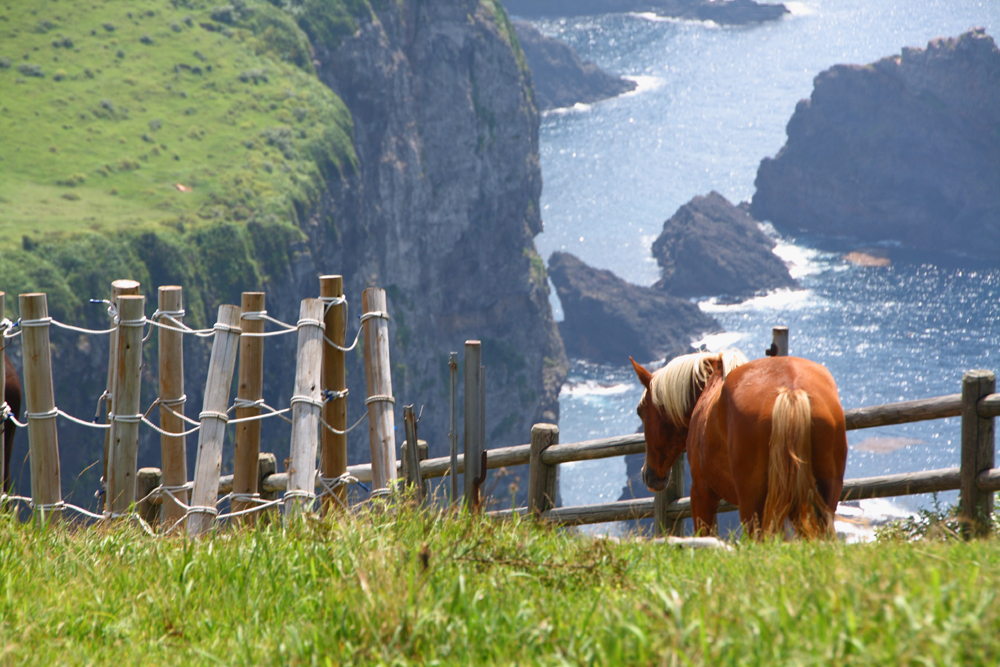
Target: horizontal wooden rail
939,407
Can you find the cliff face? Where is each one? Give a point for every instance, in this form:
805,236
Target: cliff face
559,77
710,247
906,149
444,209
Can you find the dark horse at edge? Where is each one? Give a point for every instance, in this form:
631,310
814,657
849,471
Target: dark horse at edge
12,394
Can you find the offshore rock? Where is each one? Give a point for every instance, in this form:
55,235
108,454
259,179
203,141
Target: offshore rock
711,248
905,150
723,12
608,319
560,78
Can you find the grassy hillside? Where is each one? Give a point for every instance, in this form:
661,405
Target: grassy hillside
407,588
175,126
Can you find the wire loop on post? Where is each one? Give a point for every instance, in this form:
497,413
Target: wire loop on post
379,398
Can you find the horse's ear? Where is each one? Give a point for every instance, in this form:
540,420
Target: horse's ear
645,377
718,366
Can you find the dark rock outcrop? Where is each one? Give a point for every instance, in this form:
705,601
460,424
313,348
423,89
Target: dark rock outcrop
607,319
710,248
560,78
906,149
723,12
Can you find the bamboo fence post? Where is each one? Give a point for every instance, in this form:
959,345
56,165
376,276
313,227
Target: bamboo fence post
541,477
213,420
334,445
249,390
173,449
147,480
976,506
473,404
118,288
125,417
40,411
453,432
662,524
411,455
307,402
381,430
3,382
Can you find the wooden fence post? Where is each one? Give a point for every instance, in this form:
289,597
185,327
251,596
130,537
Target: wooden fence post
40,411
675,489
453,431
541,477
381,430
411,454
118,288
213,420
249,390
306,404
779,343
976,506
473,429
147,480
334,445
173,449
125,417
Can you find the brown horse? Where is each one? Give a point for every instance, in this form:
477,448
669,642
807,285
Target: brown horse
767,436
12,394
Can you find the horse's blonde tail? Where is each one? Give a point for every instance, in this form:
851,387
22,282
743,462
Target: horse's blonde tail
791,486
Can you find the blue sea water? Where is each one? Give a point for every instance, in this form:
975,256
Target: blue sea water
712,102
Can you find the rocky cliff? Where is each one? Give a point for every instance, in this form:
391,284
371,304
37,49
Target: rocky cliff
710,248
726,12
559,77
418,173
607,320
906,150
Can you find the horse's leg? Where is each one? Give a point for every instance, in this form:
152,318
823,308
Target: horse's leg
704,508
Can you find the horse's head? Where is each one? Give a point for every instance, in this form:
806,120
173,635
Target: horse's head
666,405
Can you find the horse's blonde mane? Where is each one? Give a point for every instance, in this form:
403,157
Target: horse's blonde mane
674,386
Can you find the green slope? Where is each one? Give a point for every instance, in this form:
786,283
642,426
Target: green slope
133,130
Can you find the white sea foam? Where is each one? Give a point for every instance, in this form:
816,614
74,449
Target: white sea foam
717,341
595,388
782,299
801,261
800,8
857,522
656,18
579,107
643,84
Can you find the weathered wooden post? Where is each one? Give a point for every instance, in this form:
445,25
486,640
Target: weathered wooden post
453,431
779,343
118,288
976,506
381,430
411,452
148,479
249,390
213,420
473,405
125,417
334,445
267,465
40,411
541,477
173,449
306,404
662,525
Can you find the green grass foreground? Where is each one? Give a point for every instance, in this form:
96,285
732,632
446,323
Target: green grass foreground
425,588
